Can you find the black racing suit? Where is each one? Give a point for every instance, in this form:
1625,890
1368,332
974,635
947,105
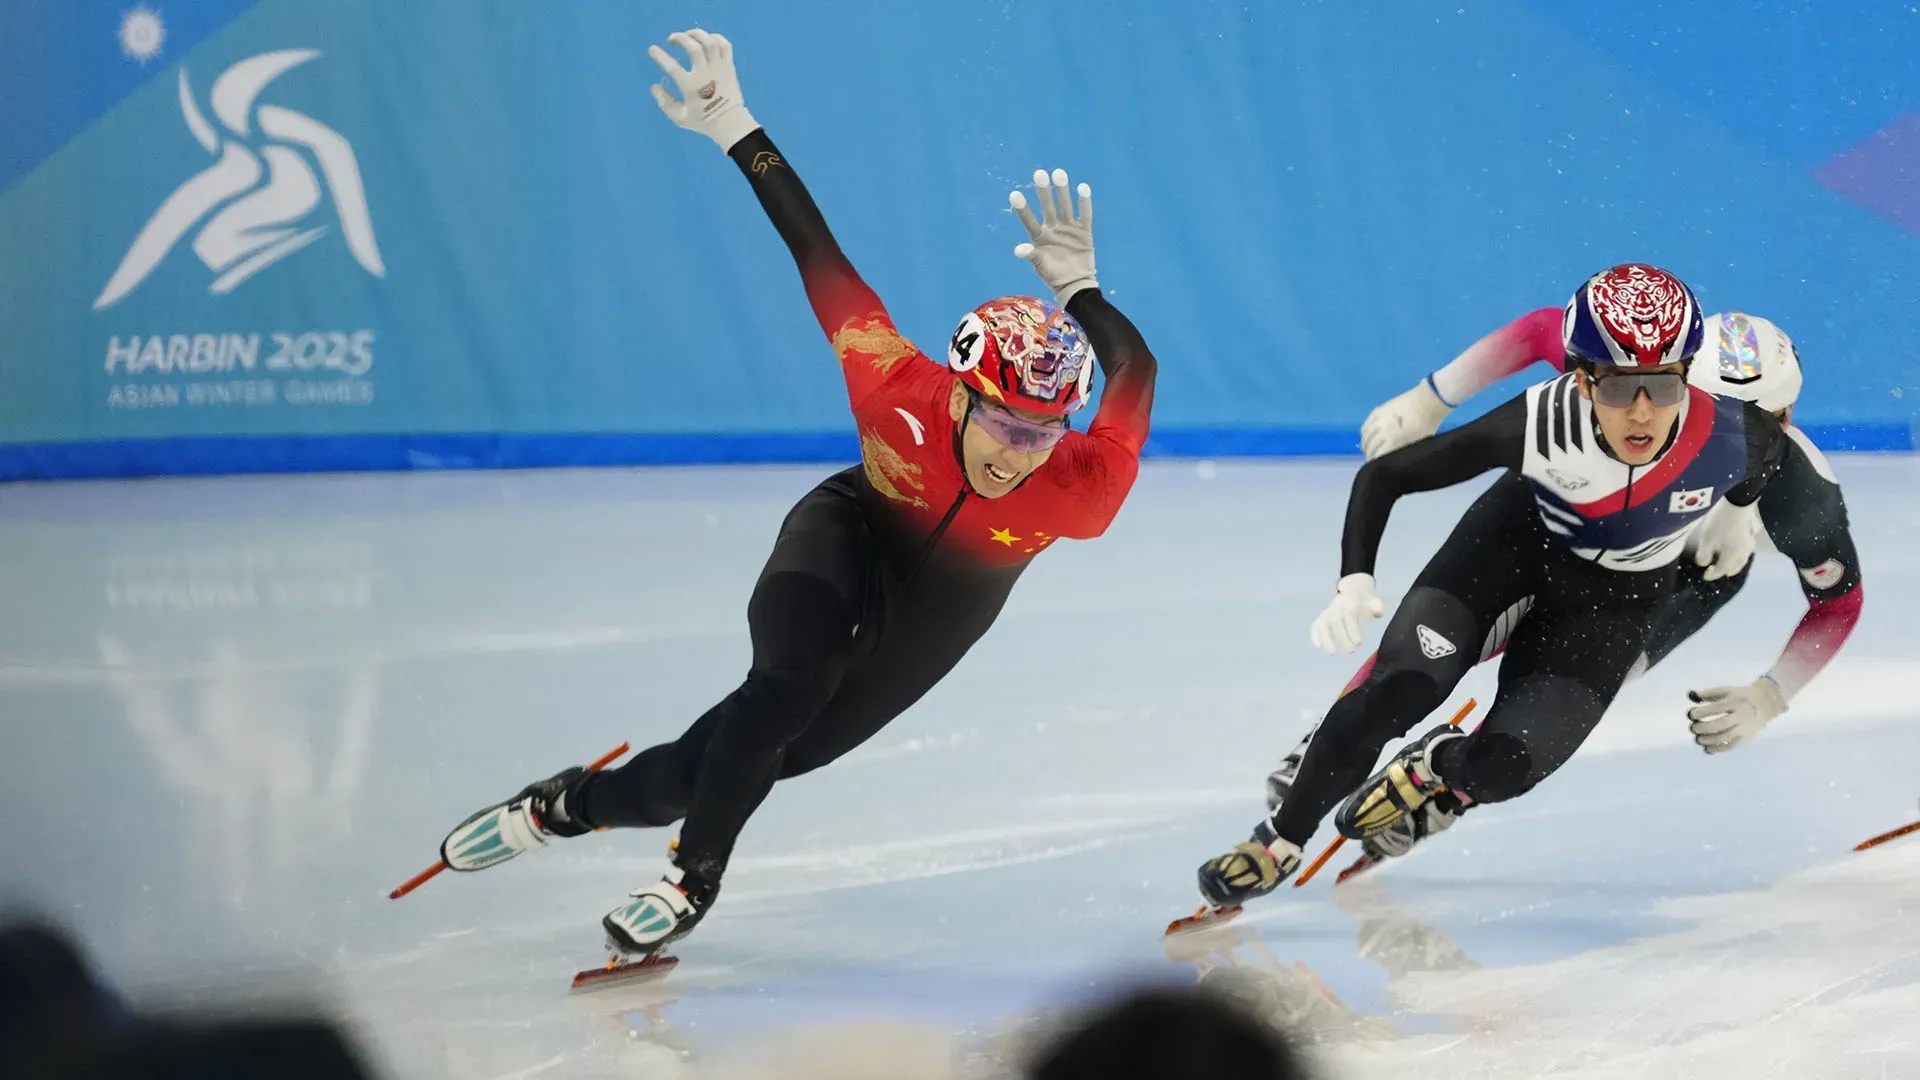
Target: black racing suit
1583,626
883,576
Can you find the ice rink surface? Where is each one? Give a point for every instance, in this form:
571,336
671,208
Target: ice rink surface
238,711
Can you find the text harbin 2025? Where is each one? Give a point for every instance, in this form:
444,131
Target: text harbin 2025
347,353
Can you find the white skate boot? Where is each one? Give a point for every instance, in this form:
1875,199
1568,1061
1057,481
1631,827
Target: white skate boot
659,914
522,823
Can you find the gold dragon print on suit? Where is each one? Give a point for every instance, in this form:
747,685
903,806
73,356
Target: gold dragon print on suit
870,336
887,471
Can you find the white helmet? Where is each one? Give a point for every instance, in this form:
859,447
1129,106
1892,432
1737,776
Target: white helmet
1747,357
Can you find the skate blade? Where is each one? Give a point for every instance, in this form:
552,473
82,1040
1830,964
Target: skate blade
1904,830
619,972
1206,916
1360,866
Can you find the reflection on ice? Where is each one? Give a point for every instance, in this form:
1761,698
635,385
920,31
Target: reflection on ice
271,765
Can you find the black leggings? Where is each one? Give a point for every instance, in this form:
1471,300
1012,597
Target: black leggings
840,647
1579,629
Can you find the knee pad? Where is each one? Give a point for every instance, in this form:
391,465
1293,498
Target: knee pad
1405,695
1536,724
1488,766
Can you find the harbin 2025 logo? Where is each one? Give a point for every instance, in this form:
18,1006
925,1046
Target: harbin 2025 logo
280,182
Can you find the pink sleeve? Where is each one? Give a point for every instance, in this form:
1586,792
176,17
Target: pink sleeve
1823,629
1533,336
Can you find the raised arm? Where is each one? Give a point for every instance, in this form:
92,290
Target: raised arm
1060,247
1105,463
1126,365
863,336
833,286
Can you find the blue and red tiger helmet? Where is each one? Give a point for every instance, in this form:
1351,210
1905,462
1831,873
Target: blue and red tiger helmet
1026,353
1632,315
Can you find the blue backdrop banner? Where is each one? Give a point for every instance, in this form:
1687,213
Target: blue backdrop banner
454,233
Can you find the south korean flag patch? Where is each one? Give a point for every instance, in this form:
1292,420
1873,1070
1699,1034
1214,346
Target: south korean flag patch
1824,576
1690,501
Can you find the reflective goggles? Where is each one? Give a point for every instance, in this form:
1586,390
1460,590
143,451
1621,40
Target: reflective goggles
1017,432
1664,388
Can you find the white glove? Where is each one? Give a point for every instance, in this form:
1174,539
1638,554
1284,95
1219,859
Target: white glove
1062,245
1337,630
1402,421
709,101
1727,716
1727,536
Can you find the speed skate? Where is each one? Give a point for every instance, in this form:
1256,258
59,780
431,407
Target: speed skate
623,970
1208,915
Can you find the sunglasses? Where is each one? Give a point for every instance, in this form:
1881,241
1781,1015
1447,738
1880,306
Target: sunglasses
1017,431
1664,388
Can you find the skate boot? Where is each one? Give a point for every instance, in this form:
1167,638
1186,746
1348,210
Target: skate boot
522,823
1405,784
1438,815
662,913
1250,870
1280,780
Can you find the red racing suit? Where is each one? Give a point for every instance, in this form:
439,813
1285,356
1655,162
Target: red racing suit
914,488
